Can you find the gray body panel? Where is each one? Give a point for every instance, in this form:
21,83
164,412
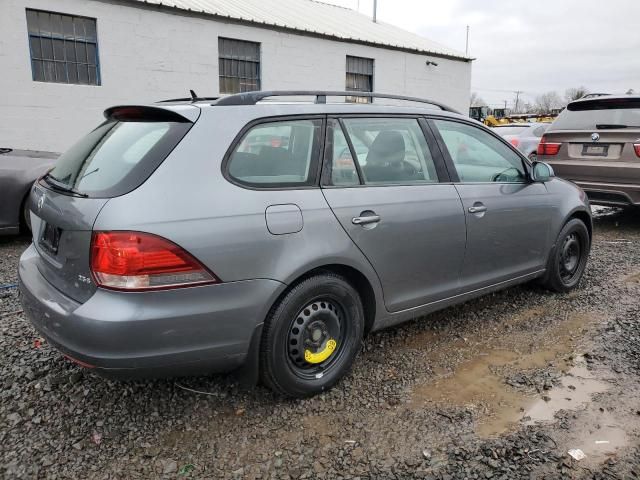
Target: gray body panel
426,253
508,240
418,246
18,170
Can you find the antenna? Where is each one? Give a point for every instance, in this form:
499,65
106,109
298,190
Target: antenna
466,52
194,97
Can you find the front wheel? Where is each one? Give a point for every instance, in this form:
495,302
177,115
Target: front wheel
312,336
568,260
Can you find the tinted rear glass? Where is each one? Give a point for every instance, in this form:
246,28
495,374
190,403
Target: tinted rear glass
585,115
117,156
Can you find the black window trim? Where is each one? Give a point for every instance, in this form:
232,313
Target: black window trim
438,159
316,157
96,43
444,151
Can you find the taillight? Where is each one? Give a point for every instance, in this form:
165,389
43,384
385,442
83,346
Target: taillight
515,142
142,261
548,148
636,147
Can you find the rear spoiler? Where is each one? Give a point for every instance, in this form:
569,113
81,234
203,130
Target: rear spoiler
145,113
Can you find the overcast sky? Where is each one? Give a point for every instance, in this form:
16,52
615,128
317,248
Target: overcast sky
529,45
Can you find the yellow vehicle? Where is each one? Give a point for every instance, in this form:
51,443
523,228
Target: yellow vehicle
502,116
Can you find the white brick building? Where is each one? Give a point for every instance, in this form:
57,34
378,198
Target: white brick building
64,61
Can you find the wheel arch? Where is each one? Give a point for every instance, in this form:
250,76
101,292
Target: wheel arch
583,216
356,278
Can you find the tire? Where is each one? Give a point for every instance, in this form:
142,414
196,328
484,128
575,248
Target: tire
533,157
25,216
298,332
568,260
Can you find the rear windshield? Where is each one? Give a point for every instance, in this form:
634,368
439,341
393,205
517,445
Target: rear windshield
510,130
585,115
116,157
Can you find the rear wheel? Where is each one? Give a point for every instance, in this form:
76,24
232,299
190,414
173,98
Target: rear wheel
533,156
569,259
312,336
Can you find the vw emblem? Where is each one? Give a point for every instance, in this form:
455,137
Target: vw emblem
41,202
595,137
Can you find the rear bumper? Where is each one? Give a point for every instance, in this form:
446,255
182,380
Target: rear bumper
164,333
611,193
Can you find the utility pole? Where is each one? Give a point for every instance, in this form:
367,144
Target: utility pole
517,92
466,52
375,11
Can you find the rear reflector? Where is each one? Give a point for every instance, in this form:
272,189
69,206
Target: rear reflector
548,148
82,364
142,261
636,147
515,142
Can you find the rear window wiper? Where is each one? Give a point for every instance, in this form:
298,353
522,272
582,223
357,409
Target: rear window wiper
613,126
62,187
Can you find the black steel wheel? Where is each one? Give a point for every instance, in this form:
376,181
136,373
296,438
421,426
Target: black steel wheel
311,336
568,261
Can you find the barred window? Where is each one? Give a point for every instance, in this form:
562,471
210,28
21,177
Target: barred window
64,48
239,64
359,77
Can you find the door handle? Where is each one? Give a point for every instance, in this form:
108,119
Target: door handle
365,220
477,209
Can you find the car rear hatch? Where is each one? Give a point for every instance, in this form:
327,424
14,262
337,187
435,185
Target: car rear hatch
596,140
112,160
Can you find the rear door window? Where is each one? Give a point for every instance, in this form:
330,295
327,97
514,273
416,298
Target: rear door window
277,154
391,150
116,157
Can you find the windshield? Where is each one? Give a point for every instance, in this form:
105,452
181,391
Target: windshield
116,157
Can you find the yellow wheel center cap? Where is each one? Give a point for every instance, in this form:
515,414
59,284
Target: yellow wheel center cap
323,354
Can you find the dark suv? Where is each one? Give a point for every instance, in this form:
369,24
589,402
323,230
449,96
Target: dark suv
595,143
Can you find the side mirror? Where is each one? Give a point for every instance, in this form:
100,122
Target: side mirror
541,172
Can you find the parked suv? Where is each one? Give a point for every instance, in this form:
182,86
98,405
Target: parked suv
595,143
200,236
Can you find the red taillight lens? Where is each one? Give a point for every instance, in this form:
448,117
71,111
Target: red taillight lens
636,147
548,148
515,142
142,261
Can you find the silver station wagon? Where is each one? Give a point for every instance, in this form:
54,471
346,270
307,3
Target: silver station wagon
204,235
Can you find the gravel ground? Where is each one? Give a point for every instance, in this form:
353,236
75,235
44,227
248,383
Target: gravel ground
452,395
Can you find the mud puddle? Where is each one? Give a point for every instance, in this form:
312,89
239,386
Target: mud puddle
479,383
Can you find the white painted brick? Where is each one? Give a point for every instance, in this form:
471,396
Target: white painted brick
147,55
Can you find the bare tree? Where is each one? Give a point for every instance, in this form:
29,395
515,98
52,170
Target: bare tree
575,93
476,100
547,102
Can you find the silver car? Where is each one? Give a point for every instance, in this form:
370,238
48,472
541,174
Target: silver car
524,136
18,170
207,235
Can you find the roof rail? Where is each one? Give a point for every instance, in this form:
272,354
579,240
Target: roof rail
188,99
251,98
